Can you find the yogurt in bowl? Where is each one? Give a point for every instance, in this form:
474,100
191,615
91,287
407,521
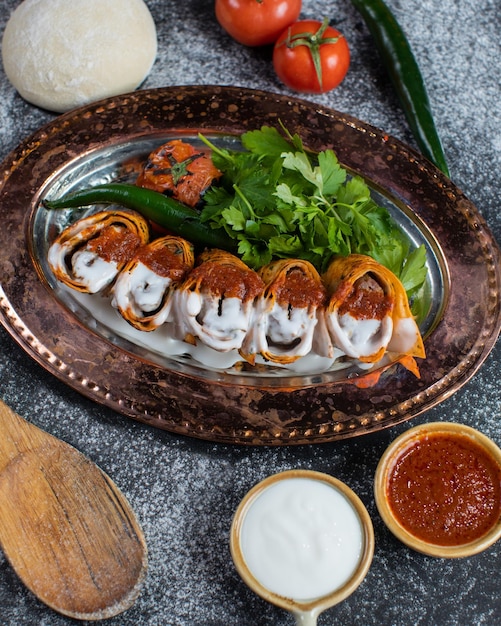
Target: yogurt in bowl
302,540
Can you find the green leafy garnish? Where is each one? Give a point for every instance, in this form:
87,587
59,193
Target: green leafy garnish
279,200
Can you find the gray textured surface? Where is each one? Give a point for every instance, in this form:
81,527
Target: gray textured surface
185,491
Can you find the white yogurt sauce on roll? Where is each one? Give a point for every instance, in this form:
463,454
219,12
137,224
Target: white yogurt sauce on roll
141,288
166,340
221,322
360,337
302,538
92,271
284,325
88,268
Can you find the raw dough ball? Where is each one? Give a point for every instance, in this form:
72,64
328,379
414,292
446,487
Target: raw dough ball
61,54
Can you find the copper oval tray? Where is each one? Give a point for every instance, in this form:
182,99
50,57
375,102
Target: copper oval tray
461,329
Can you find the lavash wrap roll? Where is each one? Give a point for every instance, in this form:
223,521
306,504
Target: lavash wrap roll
286,312
89,254
215,303
143,290
368,313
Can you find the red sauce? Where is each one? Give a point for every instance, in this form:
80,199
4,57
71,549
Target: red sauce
231,281
164,262
445,489
299,290
115,243
366,300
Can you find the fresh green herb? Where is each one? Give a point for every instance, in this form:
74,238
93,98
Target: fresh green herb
279,200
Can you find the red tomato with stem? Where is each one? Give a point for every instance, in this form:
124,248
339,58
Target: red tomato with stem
311,57
256,22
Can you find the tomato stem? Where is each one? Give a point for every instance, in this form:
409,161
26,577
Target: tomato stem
179,169
313,41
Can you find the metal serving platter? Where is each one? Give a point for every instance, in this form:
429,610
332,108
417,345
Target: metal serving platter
106,140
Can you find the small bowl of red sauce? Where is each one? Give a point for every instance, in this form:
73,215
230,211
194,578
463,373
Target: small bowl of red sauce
438,489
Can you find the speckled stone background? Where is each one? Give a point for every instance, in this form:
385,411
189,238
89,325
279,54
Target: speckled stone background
185,491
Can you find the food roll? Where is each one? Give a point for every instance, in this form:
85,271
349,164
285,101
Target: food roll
143,290
215,303
89,254
368,312
286,312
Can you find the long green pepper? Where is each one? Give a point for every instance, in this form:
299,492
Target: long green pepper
405,75
153,205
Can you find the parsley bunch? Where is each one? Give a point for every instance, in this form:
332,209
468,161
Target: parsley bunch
281,201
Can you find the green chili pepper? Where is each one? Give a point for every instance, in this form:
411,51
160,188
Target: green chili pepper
153,205
405,75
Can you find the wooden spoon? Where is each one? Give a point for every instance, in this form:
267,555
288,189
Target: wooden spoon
65,527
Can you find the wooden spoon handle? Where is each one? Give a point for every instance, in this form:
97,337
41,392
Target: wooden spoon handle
65,527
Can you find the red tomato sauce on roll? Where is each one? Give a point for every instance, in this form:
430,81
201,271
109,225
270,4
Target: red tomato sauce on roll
298,290
162,263
367,300
228,281
114,243
445,489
